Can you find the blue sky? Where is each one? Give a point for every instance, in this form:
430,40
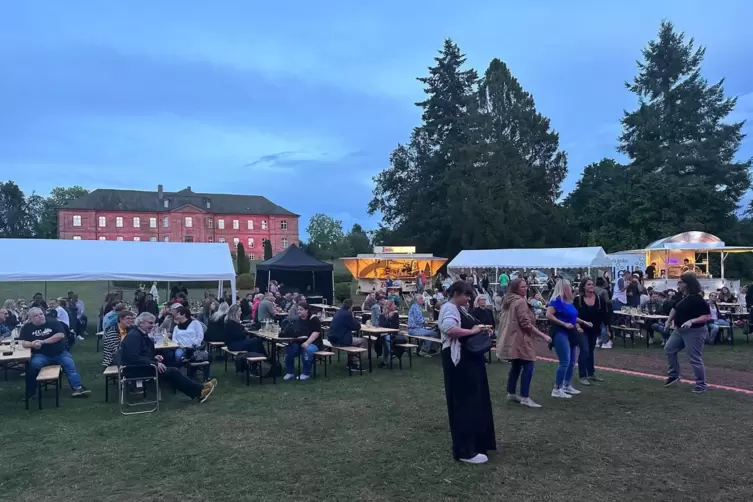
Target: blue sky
303,101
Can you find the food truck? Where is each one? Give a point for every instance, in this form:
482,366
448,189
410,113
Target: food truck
399,265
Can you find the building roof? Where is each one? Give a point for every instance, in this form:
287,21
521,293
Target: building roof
106,199
293,258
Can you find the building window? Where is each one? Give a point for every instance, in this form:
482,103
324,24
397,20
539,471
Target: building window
210,222
210,239
221,224
283,224
188,238
119,238
167,239
250,224
251,242
152,222
166,221
252,256
76,220
263,224
152,239
136,222
167,203
119,222
76,237
221,239
236,225
209,205
284,243
102,238
189,222
137,238
236,241
102,221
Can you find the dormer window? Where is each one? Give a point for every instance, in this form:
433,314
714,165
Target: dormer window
209,204
167,202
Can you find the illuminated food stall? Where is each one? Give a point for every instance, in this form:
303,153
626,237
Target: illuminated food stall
689,252
400,264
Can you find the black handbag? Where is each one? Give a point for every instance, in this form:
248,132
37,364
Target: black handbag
480,343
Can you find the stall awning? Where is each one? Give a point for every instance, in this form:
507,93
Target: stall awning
54,260
532,258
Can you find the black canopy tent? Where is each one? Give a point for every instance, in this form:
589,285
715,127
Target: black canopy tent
299,272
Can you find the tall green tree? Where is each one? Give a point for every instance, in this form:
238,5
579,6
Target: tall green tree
416,195
16,218
357,241
683,173
267,249
243,265
47,226
326,237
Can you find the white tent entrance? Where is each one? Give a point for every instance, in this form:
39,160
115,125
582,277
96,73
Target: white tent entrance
50,260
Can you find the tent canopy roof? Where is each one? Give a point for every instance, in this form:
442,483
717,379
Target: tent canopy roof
294,258
688,241
54,260
532,258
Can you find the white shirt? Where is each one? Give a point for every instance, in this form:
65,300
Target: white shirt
63,316
620,295
191,336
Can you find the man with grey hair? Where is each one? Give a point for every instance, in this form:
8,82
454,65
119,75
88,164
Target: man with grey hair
46,339
137,350
266,309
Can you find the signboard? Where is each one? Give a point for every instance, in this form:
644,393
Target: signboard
627,261
395,249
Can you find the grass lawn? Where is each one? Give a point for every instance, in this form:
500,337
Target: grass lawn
377,437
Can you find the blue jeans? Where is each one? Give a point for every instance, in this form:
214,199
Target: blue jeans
425,346
566,355
692,340
661,328
292,351
178,355
39,361
604,338
714,328
518,367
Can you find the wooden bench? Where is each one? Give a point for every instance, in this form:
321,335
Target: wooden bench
429,339
111,374
349,350
99,336
215,347
232,353
198,365
46,376
624,332
726,334
322,356
254,361
407,347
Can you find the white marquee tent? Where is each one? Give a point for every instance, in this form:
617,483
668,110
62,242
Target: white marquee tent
589,257
53,260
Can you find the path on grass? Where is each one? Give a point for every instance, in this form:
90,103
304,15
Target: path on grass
657,365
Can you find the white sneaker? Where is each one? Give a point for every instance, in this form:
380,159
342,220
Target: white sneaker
607,345
478,459
79,338
584,381
513,398
304,377
571,390
527,401
560,393
289,376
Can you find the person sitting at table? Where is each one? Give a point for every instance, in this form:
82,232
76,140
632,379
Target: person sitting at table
716,321
234,335
726,296
376,309
137,349
115,335
266,309
216,324
246,306
255,306
46,339
483,314
187,332
390,318
5,331
307,329
416,327
341,332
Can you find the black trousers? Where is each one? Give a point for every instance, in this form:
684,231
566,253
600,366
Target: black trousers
469,404
181,382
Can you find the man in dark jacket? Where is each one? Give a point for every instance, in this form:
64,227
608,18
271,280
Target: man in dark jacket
137,349
246,307
341,331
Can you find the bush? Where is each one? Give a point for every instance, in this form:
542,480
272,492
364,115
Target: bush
245,281
342,291
343,277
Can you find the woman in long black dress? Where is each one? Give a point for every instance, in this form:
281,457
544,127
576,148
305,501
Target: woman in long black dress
466,385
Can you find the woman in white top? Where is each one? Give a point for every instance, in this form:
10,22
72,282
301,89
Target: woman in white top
466,385
187,333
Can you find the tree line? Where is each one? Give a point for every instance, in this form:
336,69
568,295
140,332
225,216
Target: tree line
484,168
33,216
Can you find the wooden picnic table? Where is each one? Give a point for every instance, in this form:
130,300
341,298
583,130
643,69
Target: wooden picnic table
166,346
273,340
17,356
323,306
377,331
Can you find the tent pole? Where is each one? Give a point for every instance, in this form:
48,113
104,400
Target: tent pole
333,286
167,294
45,290
269,278
108,287
724,256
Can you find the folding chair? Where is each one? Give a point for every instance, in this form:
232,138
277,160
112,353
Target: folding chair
146,374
